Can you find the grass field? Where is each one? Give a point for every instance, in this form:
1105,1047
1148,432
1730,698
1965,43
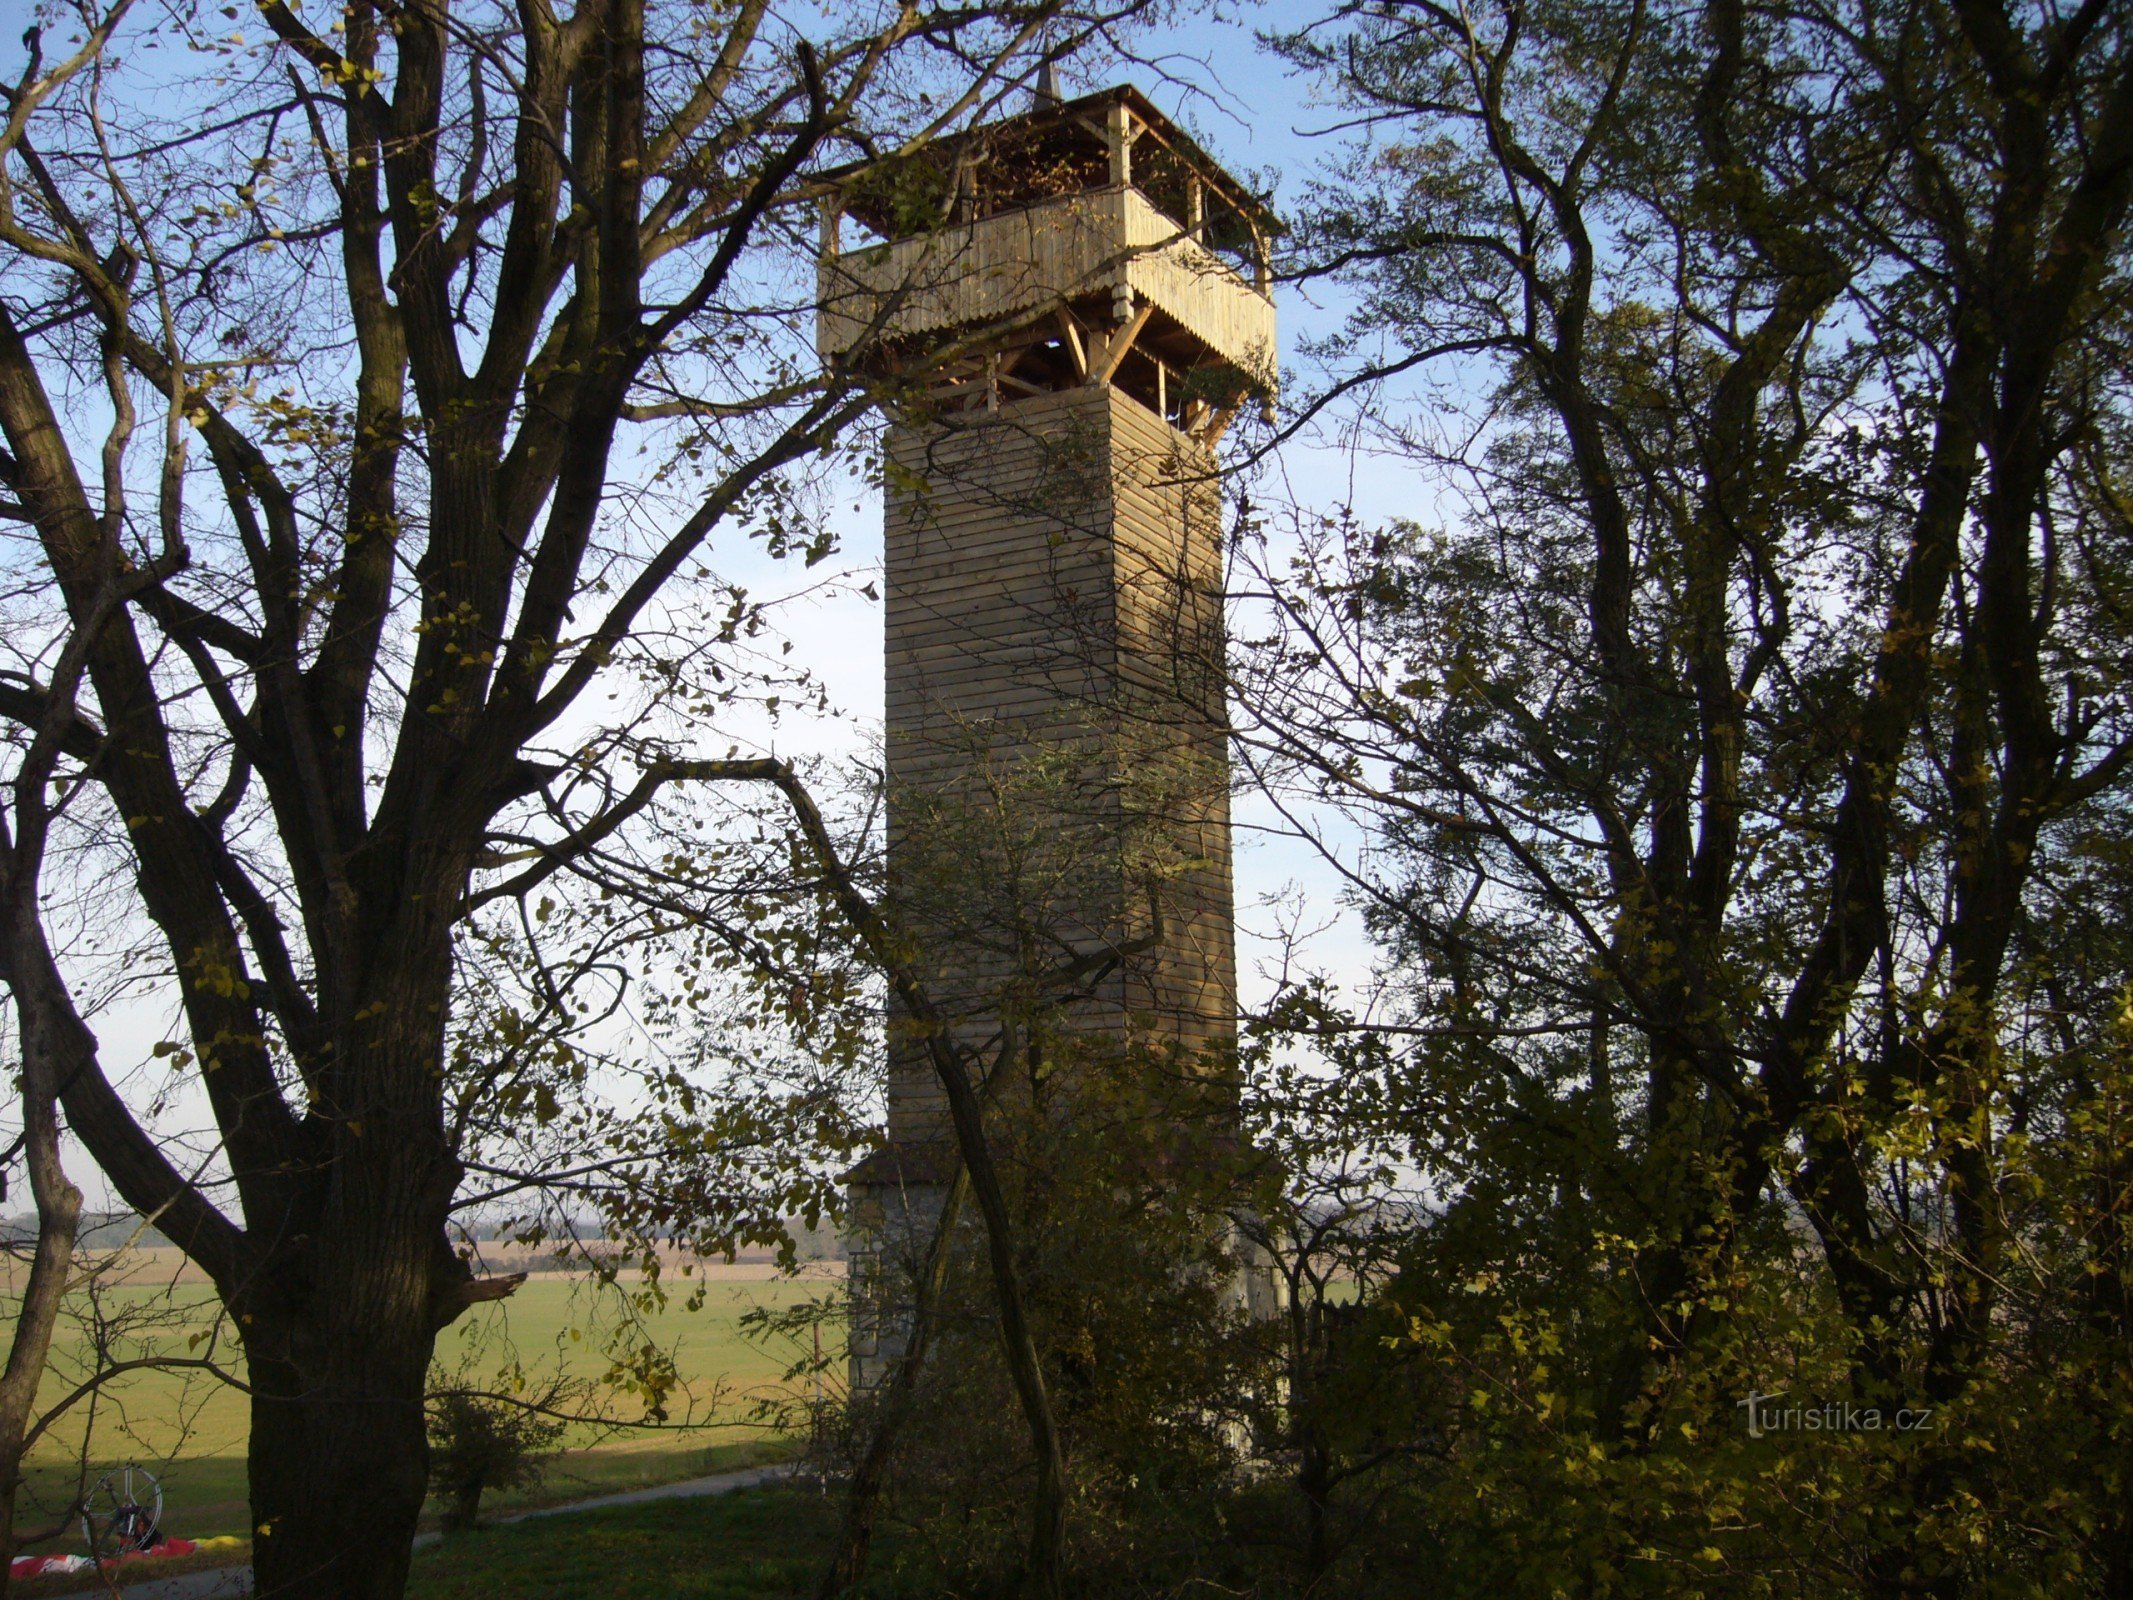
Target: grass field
758,1544
190,1428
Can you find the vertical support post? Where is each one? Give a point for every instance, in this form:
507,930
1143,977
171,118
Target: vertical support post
1118,134
1195,210
832,227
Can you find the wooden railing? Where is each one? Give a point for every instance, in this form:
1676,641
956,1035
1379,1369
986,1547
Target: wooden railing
1024,263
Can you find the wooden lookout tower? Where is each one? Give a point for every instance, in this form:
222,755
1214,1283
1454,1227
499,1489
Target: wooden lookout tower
1070,306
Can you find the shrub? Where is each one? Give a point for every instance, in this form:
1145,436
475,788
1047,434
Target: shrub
478,1444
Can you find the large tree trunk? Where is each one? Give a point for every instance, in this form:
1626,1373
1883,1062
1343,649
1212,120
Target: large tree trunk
339,1313
339,1456
339,1459
341,1329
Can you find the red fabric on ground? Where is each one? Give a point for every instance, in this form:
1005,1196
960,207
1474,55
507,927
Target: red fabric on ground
38,1566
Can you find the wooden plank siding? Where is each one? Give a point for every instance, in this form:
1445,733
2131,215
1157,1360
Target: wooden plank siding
1024,263
1055,722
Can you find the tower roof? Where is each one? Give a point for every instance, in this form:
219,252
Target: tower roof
1051,148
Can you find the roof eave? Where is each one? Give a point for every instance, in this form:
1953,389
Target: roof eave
1182,143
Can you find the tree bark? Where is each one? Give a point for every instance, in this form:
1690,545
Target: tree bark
51,1036
339,1330
338,1461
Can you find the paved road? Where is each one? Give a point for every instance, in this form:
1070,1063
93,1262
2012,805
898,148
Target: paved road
225,1583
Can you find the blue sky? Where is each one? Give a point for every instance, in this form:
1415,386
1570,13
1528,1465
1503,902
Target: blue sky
1255,117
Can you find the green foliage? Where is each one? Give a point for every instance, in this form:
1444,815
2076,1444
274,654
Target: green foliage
906,197
1453,1417
479,1443
1745,762
1122,1171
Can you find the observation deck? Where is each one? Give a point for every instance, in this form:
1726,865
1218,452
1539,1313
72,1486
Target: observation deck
1087,242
